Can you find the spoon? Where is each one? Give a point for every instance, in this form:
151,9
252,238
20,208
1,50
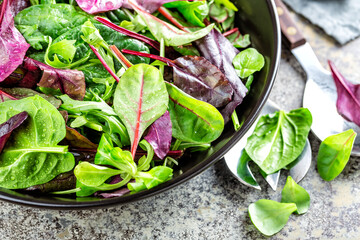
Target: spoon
320,91
238,161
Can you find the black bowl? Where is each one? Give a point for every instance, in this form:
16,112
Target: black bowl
259,19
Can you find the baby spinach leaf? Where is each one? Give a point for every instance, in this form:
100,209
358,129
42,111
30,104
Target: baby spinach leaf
194,12
172,36
334,153
160,135
9,126
140,98
32,155
13,46
293,193
348,101
193,120
279,138
247,62
269,217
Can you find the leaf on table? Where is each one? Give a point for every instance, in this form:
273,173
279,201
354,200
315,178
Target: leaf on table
219,51
193,120
32,155
8,127
160,135
334,153
294,193
348,101
279,138
13,46
269,217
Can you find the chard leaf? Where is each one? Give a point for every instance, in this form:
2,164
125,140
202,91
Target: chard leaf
293,193
140,98
247,62
172,36
193,120
9,126
194,12
76,140
278,139
238,40
269,217
160,135
13,46
348,101
334,153
32,155
219,51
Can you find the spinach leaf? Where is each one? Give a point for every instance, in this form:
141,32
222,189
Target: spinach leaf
32,155
293,193
194,12
247,62
334,153
279,138
269,217
193,120
140,98
9,126
171,35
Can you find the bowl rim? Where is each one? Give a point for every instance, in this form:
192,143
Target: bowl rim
194,171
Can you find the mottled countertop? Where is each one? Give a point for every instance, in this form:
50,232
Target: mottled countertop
213,205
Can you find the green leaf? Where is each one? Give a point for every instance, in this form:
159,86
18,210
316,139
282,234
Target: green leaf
269,217
193,120
278,139
194,12
247,62
293,193
227,3
172,36
334,153
32,155
93,175
140,98
238,40
144,162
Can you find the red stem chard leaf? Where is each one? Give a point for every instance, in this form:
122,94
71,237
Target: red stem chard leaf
171,35
76,140
237,39
193,120
140,98
219,51
334,153
13,45
7,127
348,101
160,135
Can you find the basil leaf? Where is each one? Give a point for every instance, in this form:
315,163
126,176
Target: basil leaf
140,98
293,193
32,155
193,120
269,217
334,153
247,62
278,139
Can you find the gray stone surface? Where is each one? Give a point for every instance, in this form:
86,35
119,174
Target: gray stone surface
213,205
338,18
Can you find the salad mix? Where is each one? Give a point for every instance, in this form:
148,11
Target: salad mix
103,97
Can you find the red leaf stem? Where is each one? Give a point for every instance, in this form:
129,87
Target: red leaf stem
129,33
4,4
228,33
152,56
104,63
167,15
2,94
121,56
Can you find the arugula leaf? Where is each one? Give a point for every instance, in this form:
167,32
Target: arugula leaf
269,217
194,12
140,98
334,153
32,155
293,193
193,120
247,62
279,138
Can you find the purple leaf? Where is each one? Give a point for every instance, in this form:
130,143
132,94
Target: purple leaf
117,193
97,6
219,51
10,125
76,140
160,135
12,44
348,101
